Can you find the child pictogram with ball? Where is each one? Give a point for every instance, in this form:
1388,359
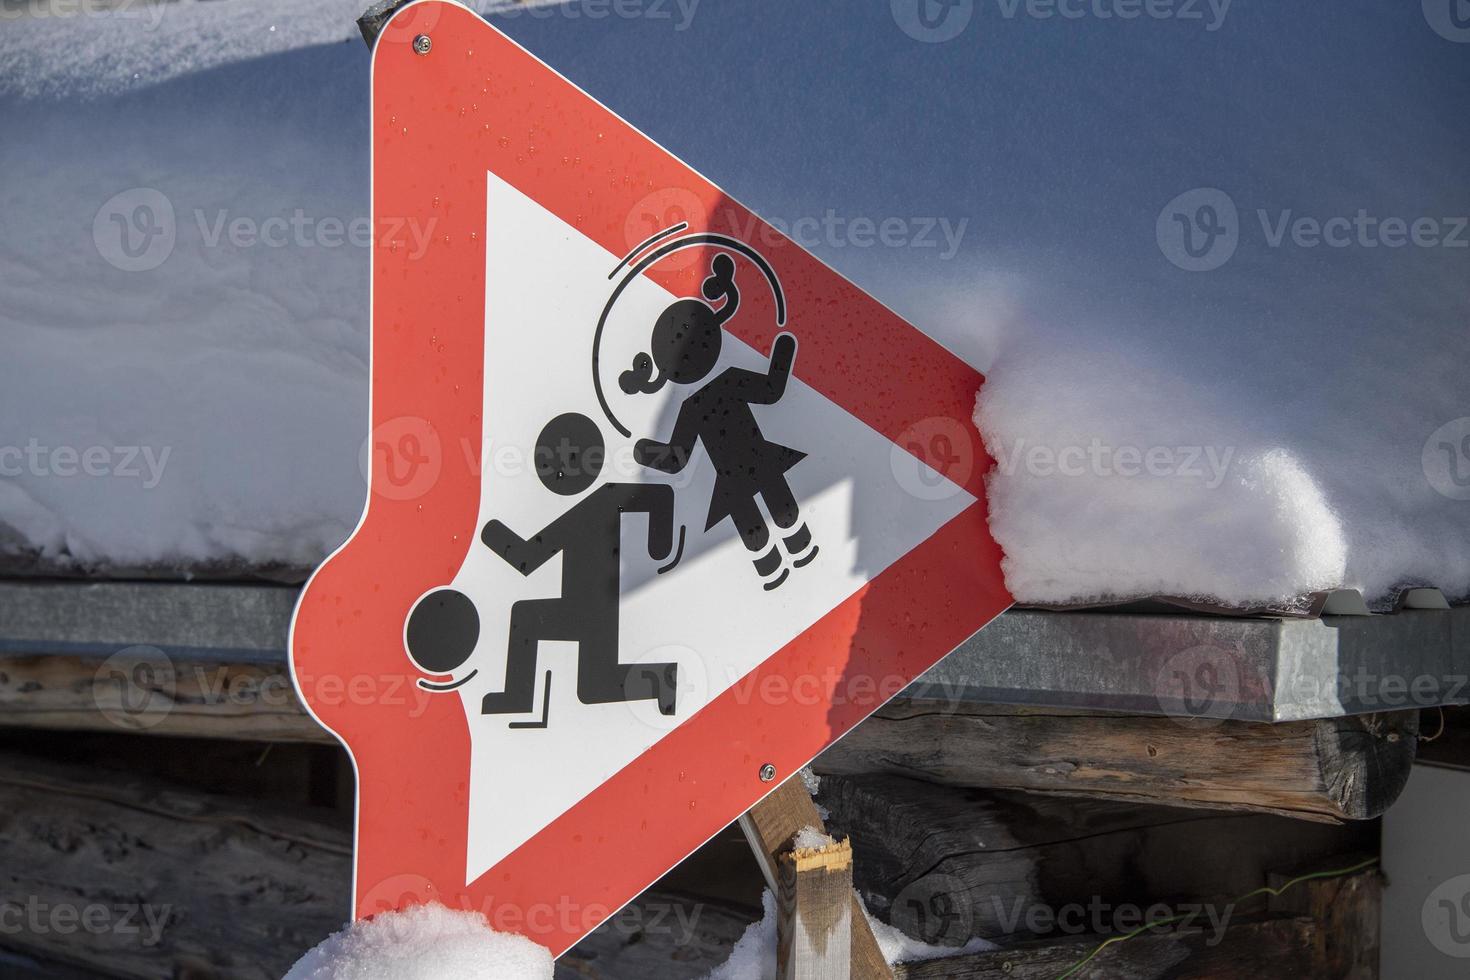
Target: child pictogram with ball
443,628
686,343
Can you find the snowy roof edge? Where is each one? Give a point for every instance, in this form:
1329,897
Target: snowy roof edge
1261,669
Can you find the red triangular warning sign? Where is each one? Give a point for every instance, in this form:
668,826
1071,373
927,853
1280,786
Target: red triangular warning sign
660,505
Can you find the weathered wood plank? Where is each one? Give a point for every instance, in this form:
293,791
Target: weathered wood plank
1338,769
130,878
1333,769
294,774
1347,768
947,865
1272,948
145,690
1333,935
770,826
193,884
241,888
814,912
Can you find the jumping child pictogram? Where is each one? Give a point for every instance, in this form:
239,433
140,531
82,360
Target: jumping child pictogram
569,457
684,348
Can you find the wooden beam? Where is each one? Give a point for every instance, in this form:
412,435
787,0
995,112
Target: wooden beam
127,877
194,884
1320,934
240,888
1273,948
770,827
814,912
948,865
150,691
1333,769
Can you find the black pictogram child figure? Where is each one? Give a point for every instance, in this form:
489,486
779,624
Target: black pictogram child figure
685,347
569,457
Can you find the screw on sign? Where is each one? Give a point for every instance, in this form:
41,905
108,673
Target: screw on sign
712,515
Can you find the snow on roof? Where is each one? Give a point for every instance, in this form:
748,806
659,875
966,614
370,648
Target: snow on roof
1290,417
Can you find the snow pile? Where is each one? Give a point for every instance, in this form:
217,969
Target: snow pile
1153,484
427,942
753,956
813,784
897,947
1176,500
810,780
810,838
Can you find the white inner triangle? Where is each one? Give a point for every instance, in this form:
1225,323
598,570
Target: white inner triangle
866,502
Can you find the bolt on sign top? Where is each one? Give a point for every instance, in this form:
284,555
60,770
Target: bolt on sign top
659,505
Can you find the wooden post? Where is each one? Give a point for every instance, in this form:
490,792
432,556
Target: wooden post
1348,911
770,826
814,913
